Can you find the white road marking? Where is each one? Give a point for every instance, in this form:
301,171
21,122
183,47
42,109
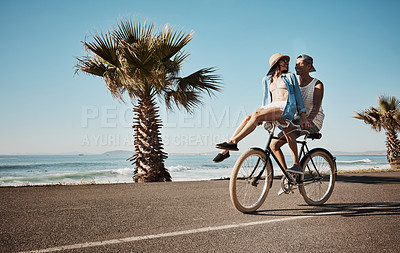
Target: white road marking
186,232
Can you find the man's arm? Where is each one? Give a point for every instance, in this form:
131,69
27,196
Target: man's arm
304,122
317,100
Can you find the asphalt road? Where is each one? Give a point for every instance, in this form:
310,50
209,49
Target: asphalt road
362,215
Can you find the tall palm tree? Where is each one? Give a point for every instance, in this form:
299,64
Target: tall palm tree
135,59
387,117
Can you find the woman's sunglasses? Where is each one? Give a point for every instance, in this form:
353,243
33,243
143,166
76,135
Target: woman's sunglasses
285,60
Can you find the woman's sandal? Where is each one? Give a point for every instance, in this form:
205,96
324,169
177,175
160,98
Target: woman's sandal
228,146
220,157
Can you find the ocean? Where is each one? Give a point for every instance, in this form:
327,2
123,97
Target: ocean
19,170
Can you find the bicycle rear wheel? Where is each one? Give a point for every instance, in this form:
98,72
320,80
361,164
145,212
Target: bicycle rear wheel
248,189
319,176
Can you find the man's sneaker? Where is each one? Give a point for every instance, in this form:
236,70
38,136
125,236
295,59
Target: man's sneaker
295,169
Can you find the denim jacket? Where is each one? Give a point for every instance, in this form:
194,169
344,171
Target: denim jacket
295,100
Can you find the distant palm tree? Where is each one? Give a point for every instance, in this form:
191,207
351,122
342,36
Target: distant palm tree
386,116
135,59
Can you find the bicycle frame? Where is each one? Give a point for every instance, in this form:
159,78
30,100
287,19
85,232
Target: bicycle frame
253,173
268,153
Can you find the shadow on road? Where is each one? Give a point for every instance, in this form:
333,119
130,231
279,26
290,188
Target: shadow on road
345,210
368,179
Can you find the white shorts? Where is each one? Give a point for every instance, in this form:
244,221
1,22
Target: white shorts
281,105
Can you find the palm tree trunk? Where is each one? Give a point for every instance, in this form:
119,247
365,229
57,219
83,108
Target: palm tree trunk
149,155
393,149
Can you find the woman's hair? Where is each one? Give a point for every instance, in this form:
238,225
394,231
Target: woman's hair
276,69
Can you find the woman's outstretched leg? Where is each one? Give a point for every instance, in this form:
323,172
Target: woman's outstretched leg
238,129
262,114
269,114
224,154
241,126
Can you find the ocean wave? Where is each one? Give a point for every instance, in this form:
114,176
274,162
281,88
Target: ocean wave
363,167
217,166
178,168
123,171
50,165
361,161
68,176
56,177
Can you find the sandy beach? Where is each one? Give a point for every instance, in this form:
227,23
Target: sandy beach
34,218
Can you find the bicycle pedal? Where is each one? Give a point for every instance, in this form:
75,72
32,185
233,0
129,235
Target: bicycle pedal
281,191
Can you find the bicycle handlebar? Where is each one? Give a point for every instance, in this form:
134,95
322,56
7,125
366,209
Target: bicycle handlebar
270,127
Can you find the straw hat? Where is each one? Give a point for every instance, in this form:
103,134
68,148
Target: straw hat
274,59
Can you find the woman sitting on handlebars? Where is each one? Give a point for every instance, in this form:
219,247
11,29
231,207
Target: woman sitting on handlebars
285,98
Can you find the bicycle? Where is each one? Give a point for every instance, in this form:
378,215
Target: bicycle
253,174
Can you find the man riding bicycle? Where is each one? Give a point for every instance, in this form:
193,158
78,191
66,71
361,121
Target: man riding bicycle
312,91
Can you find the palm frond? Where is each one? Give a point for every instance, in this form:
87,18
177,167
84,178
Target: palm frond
202,80
138,57
180,57
370,117
104,48
174,66
170,42
135,45
115,83
131,32
389,107
388,103
128,56
182,99
90,66
185,92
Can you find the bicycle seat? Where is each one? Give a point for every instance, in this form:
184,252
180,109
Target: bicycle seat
314,136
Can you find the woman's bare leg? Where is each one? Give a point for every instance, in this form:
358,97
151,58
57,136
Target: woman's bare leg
269,114
238,129
241,126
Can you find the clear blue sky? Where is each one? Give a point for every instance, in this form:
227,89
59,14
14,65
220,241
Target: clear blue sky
44,108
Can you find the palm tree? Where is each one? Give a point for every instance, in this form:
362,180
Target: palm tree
386,116
135,59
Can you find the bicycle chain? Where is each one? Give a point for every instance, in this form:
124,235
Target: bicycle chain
286,185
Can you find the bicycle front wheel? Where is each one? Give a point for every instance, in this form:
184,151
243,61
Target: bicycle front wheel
319,176
250,181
